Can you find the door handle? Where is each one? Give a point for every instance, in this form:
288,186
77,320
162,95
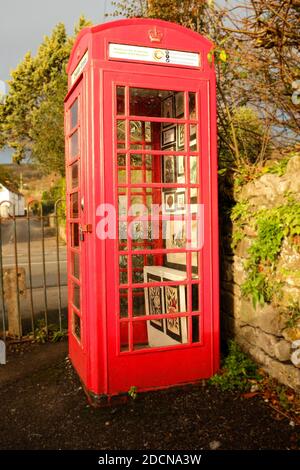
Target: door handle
84,229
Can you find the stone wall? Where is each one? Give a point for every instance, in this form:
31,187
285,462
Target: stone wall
263,331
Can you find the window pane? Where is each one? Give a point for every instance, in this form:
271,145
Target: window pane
123,303
74,175
120,100
123,269
74,114
74,207
161,332
76,326
76,296
74,144
74,234
156,103
75,265
193,138
138,302
192,105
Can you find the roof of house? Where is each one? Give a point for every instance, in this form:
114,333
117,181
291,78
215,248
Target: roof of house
10,186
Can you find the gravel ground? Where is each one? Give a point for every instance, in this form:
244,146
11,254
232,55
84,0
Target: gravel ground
43,406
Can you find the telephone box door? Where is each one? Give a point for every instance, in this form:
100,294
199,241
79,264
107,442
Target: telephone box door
161,321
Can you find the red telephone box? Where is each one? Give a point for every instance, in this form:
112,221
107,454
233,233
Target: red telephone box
142,225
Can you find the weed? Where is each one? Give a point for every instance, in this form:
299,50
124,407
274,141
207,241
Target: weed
51,333
236,372
132,392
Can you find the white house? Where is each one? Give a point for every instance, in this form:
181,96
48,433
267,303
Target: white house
9,193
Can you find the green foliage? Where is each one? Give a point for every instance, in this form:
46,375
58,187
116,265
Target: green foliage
49,198
236,371
294,315
239,215
279,167
31,117
272,225
53,334
132,392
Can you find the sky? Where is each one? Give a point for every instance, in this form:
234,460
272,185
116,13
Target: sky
23,23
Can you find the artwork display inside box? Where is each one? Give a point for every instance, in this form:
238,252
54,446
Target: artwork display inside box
180,136
169,201
155,302
173,325
165,300
168,136
179,104
169,170
167,109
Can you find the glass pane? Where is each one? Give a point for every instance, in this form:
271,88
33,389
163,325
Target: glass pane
76,296
195,298
179,104
124,337
123,269
76,326
193,138
138,302
74,144
122,177
123,303
122,204
74,175
120,100
156,103
136,131
121,133
75,265
121,159
74,207
74,114
122,236
194,170
180,136
192,105
195,329
74,234
174,298
161,332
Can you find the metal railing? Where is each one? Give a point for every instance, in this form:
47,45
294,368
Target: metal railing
33,280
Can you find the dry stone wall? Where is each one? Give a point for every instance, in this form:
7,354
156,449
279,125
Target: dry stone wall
267,332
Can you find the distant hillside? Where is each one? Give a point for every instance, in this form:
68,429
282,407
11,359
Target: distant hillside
30,180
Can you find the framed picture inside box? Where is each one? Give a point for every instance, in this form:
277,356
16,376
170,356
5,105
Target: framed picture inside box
180,201
155,302
169,200
180,165
193,132
168,136
180,136
175,302
179,104
169,169
167,109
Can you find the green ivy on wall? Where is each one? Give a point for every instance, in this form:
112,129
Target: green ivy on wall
271,226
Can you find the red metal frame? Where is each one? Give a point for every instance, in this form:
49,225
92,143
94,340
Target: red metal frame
105,368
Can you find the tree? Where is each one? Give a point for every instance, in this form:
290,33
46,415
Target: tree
31,117
254,75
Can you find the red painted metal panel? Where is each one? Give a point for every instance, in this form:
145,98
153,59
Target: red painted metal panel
101,359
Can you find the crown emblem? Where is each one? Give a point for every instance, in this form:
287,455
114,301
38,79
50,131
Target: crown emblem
155,35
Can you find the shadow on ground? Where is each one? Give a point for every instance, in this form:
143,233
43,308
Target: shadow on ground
42,406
